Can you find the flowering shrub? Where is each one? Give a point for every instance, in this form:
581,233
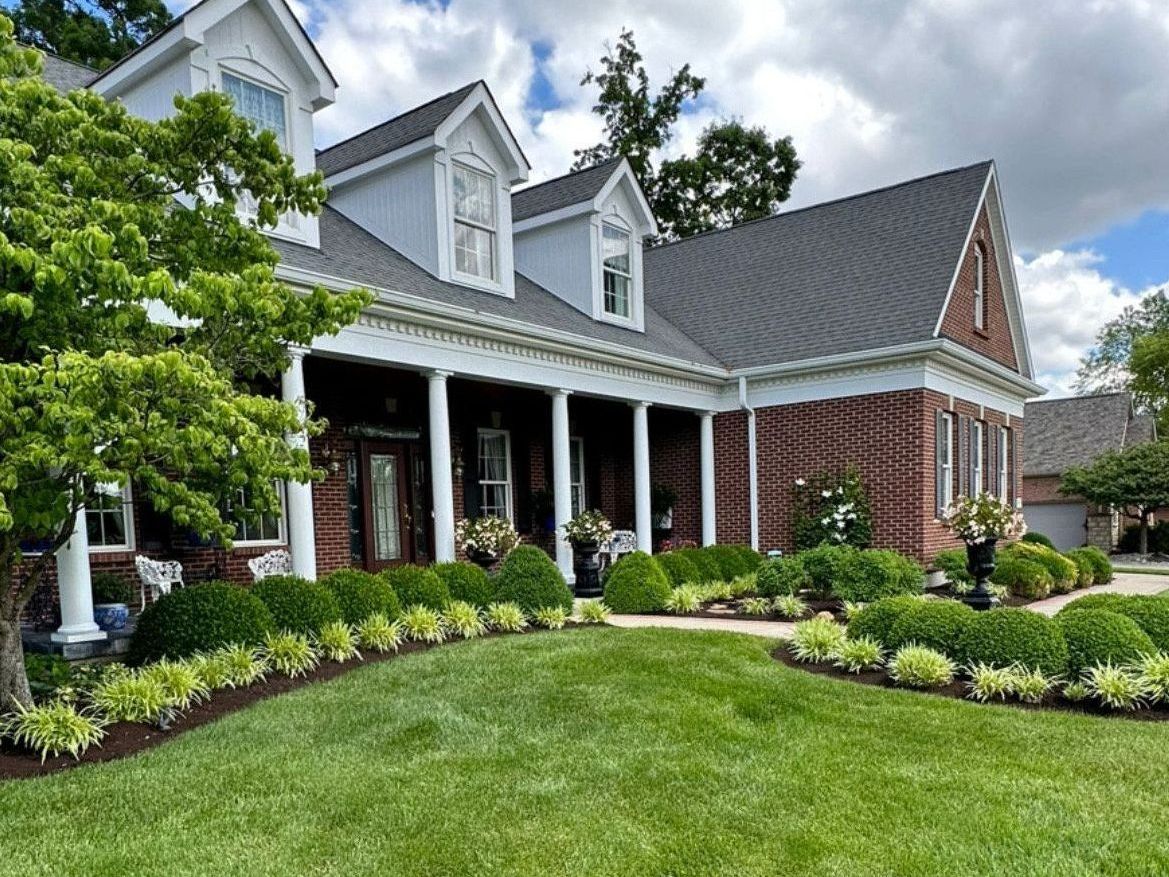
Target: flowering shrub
834,508
976,519
589,527
490,535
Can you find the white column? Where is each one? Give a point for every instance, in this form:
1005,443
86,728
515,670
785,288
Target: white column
709,533
442,487
74,589
641,489
562,480
302,539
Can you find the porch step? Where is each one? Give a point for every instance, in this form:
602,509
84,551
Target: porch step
39,642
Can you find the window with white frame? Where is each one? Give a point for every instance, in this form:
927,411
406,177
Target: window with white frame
261,106
618,272
265,529
495,473
1004,465
976,452
979,287
109,519
577,475
945,461
474,196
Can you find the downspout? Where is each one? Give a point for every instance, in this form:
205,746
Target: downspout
752,468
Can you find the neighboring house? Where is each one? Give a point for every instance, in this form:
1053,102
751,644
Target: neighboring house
1061,434
528,339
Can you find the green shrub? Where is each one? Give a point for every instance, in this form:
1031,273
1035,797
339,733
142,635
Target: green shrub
1021,577
1085,571
108,587
636,584
936,624
823,565
53,728
1063,571
703,561
864,576
46,674
530,578
729,559
1007,637
360,594
297,605
199,618
1097,636
920,667
816,640
750,556
1038,539
781,575
679,568
831,506
1130,539
468,582
952,563
1097,559
876,620
1150,613
416,586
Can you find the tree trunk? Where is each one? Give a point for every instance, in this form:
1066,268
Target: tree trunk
13,680
1144,533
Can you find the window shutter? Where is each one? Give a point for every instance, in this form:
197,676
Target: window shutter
992,453
939,457
972,454
963,455
1010,497
471,471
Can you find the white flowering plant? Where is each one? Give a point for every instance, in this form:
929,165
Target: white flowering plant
588,528
489,536
833,508
977,519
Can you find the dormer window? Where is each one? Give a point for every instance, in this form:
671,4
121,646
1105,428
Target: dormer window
618,273
979,287
475,217
263,107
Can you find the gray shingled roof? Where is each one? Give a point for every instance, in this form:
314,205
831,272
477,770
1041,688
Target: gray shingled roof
66,75
1061,433
349,252
860,273
390,135
573,188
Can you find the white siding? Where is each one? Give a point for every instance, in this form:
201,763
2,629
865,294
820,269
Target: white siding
153,97
559,257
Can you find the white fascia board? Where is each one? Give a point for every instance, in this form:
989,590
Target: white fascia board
480,96
425,144
836,361
571,211
121,76
1008,280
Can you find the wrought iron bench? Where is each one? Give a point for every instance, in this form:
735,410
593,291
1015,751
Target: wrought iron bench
275,563
159,575
621,542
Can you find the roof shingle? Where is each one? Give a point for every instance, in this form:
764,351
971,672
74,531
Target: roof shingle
573,188
66,75
1061,433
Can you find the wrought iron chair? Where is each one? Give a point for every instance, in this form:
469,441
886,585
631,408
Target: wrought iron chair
621,542
275,563
159,575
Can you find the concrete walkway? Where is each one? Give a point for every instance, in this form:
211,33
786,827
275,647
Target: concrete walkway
1123,583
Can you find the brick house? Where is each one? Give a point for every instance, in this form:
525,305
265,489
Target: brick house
529,354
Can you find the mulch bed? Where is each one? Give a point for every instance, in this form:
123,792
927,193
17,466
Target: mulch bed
129,738
958,691
729,609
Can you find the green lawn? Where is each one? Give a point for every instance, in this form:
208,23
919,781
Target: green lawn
609,752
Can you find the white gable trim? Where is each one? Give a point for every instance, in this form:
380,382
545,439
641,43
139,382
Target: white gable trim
624,172
480,98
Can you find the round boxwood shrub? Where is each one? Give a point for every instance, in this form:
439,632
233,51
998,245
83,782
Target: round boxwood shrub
1097,636
1097,559
877,619
752,558
679,568
466,581
296,604
636,584
360,594
198,618
1023,578
704,562
864,576
1038,539
778,576
730,561
1007,636
530,578
823,565
1151,614
1085,572
936,624
1063,572
417,586
952,564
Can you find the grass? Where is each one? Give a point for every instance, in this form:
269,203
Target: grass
1143,570
609,752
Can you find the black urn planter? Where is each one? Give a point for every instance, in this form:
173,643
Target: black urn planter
587,569
484,559
980,564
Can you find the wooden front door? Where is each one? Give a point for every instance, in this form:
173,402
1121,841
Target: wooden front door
387,508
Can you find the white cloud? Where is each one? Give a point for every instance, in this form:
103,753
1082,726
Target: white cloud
1066,301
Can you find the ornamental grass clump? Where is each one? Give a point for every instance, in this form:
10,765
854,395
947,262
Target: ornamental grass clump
53,728
816,640
1031,686
789,606
130,697
719,591
551,617
1117,688
213,669
593,612
755,606
1075,691
181,682
245,665
463,619
422,624
337,641
290,653
379,633
989,683
506,617
858,655
920,667
684,599
850,609
1154,674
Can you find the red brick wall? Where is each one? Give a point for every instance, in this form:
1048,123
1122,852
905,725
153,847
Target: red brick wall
732,478
994,339
675,461
1043,489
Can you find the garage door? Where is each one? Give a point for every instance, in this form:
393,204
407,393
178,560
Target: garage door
1063,523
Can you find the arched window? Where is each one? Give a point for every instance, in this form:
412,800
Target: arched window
979,287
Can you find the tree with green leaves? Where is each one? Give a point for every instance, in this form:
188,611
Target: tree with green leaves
92,32
1134,481
109,221
737,173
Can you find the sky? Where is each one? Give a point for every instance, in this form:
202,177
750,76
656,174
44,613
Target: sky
1069,97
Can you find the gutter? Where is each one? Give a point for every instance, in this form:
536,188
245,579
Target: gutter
752,466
